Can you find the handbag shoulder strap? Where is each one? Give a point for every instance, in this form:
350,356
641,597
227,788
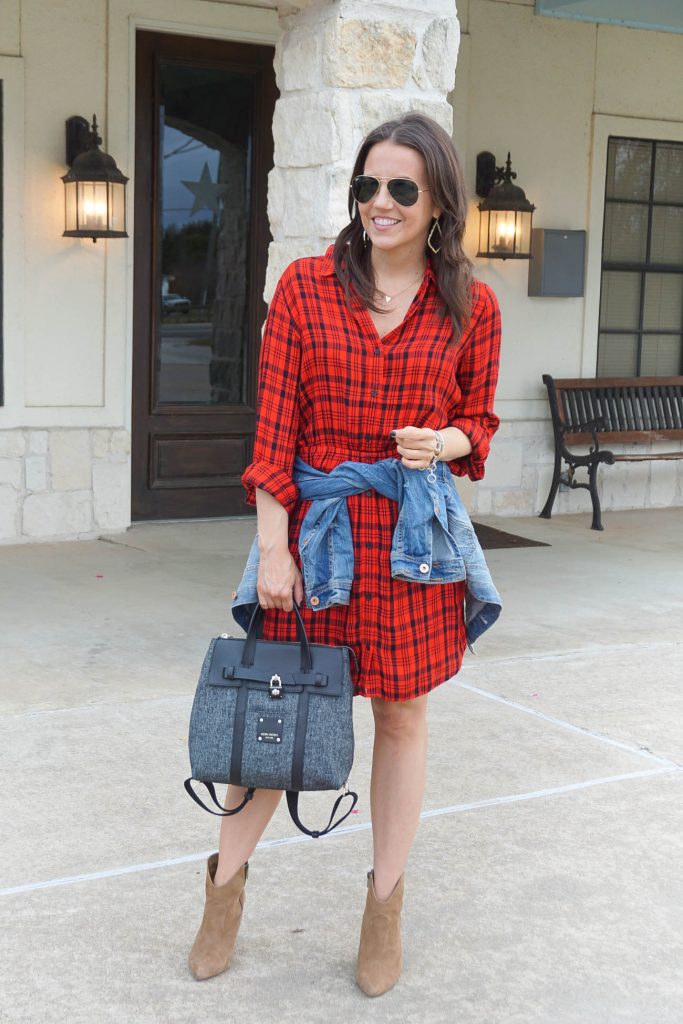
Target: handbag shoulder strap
293,806
221,812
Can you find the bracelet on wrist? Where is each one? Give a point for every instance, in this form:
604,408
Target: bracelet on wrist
439,445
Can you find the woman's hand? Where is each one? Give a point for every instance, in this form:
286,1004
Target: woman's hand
415,445
278,579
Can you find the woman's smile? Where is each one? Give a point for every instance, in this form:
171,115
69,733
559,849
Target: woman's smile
383,223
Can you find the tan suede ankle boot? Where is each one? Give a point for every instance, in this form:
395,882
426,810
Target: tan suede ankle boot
216,937
379,954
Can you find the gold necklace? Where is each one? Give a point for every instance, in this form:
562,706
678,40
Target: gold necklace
390,298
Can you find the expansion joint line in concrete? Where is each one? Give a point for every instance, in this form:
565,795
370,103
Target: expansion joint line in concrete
268,844
576,652
560,722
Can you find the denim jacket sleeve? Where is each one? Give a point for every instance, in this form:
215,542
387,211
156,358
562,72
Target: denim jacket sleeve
278,400
477,376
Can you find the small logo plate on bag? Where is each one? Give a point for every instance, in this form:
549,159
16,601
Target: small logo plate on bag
269,729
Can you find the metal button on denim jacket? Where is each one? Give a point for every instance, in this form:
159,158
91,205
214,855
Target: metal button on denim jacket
434,541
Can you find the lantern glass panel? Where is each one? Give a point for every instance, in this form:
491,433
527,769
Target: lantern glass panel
484,217
71,206
92,205
503,231
524,232
117,207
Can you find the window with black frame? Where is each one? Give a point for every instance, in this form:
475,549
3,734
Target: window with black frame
641,297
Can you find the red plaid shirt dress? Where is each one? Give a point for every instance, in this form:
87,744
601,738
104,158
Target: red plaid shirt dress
331,390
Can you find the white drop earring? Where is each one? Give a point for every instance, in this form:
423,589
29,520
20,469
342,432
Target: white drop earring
354,210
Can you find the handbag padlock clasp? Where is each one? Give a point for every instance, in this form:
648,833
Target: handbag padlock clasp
275,686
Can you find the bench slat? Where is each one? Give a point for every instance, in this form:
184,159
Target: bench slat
620,412
652,409
616,382
631,407
651,457
592,405
662,412
624,436
676,398
570,402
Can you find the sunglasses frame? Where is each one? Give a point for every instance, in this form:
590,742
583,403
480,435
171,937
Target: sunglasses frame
389,183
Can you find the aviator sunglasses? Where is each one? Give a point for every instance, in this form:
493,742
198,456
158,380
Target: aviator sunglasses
404,191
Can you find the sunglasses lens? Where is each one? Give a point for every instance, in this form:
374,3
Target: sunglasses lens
364,187
404,191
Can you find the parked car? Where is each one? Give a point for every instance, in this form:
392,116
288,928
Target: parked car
173,303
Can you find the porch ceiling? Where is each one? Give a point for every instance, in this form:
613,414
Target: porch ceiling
662,15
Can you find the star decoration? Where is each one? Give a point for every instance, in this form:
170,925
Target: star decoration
206,193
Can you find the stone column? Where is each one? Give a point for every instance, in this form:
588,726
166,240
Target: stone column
342,68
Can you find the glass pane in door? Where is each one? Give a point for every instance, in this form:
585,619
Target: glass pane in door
204,214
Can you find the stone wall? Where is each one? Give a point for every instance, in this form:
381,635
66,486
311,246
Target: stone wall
342,68
63,483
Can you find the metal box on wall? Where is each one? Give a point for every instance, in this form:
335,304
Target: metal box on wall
557,264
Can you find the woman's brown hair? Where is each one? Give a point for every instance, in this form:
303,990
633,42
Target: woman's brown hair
445,180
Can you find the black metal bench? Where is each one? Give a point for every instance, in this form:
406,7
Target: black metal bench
610,410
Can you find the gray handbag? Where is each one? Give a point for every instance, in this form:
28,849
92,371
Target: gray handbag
273,715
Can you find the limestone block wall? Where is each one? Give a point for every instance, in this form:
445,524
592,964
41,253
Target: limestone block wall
342,68
63,483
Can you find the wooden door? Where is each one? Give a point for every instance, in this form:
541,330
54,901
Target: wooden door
204,111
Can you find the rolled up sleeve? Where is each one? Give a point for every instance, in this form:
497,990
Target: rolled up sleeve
477,376
277,419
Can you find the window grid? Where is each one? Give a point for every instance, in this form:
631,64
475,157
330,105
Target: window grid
637,266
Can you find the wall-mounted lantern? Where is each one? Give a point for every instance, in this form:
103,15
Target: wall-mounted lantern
505,214
95,189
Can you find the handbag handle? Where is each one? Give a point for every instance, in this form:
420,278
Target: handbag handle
256,629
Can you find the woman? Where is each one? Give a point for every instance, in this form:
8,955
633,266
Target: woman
383,347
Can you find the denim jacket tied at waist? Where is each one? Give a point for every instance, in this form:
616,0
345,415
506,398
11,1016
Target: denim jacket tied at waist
433,541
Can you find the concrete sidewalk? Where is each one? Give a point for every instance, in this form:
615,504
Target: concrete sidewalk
545,884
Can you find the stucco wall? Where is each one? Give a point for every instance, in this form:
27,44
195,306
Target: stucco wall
551,91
